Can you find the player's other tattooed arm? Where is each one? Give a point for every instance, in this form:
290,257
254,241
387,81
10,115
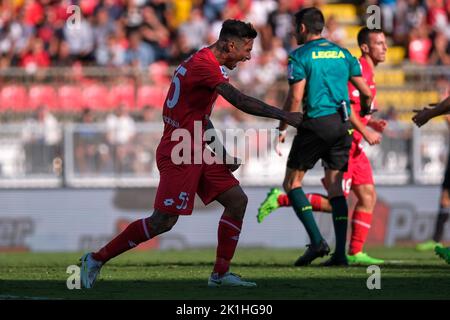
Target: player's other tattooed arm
256,107
293,100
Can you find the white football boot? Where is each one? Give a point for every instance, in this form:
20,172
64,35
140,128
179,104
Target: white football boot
228,280
90,269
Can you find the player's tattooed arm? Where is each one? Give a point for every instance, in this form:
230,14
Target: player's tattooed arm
365,94
293,100
256,107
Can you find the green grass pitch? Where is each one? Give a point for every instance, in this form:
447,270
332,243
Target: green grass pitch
168,275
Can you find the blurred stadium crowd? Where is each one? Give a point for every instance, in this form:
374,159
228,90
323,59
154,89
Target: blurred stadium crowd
123,51
116,33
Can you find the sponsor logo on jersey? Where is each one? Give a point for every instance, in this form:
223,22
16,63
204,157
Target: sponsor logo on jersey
168,202
328,55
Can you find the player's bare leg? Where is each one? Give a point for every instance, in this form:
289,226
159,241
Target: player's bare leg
234,201
137,232
361,222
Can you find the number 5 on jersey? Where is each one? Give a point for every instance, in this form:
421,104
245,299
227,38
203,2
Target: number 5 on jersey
181,71
184,200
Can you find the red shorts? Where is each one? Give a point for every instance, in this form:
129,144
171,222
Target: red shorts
359,169
178,184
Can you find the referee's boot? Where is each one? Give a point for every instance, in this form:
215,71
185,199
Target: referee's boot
335,261
313,252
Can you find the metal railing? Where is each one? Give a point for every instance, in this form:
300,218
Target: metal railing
92,155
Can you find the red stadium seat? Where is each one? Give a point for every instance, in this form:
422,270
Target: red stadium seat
153,96
96,97
70,98
159,72
42,95
122,94
13,97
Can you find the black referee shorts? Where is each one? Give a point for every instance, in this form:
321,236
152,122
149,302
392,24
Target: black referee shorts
328,138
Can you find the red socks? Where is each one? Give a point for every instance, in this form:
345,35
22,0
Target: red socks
361,222
314,198
228,236
283,200
133,235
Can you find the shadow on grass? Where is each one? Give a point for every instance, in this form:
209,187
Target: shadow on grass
430,287
254,264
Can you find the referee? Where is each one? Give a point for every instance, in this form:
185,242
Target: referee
318,73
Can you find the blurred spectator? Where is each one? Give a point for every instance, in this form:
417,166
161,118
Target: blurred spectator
103,28
154,33
144,162
419,45
121,130
81,40
334,32
148,114
139,54
281,23
441,50
195,30
212,9
437,17
36,57
42,137
90,154
409,14
179,13
237,9
387,14
63,59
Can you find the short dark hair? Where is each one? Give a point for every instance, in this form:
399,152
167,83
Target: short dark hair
363,35
312,18
237,29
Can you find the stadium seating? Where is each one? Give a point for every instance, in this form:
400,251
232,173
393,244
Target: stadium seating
13,97
345,13
160,73
70,98
96,97
42,95
152,96
122,94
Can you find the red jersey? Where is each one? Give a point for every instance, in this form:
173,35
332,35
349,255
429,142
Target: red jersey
368,75
191,97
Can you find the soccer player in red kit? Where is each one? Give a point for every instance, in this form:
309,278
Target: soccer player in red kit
359,177
195,86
